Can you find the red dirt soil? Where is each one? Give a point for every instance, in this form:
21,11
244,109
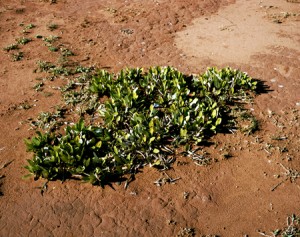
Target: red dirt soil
230,197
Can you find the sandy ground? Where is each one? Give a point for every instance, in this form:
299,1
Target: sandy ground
232,197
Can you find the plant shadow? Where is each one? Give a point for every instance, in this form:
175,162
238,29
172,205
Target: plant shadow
261,87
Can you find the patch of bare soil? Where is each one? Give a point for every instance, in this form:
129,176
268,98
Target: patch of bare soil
242,30
253,184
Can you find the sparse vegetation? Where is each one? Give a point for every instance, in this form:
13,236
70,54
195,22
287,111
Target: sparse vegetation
49,121
292,228
52,48
66,52
38,86
29,26
290,174
186,232
50,39
17,56
11,47
23,40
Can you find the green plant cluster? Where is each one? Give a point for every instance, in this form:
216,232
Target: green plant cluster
146,116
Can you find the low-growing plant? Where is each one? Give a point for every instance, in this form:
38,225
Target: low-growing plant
50,39
66,52
23,40
38,86
61,70
29,26
252,127
11,47
52,48
48,121
145,117
25,105
186,232
17,56
44,66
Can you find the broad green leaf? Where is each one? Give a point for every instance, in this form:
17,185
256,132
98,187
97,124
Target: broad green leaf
80,125
116,150
219,121
214,113
135,96
151,108
99,144
156,151
194,101
183,133
151,127
156,163
180,119
45,173
151,139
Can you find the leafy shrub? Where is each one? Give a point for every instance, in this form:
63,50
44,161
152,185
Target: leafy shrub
146,115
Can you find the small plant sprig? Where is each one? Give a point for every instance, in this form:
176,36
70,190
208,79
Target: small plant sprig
146,116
